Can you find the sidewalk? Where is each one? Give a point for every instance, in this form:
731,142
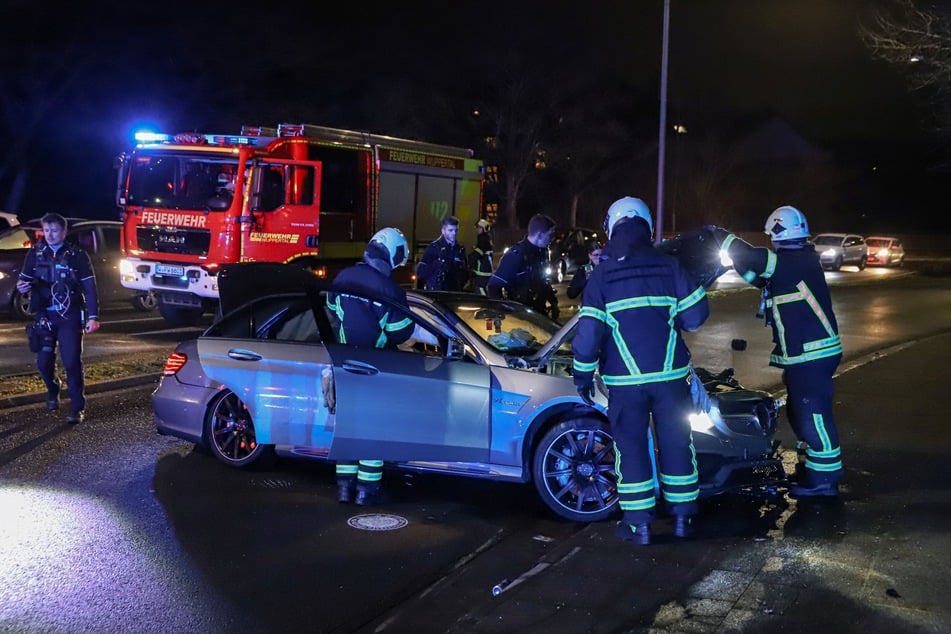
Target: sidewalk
873,561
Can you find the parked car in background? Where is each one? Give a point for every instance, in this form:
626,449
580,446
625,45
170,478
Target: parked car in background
499,401
569,250
839,249
7,220
885,251
99,238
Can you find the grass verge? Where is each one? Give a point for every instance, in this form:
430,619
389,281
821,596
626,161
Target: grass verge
99,370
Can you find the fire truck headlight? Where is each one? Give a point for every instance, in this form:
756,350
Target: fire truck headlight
126,268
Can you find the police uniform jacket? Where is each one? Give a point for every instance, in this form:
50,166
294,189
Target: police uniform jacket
796,299
522,271
369,323
63,280
443,266
635,303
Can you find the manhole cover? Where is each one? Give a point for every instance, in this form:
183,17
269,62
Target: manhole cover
377,522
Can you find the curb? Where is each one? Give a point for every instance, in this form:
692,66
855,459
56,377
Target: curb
91,388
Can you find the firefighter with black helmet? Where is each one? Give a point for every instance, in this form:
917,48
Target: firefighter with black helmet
62,285
480,259
797,304
362,322
635,305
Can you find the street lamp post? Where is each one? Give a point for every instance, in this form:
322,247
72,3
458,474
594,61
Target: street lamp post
680,130
661,147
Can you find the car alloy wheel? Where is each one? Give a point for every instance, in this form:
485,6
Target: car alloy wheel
573,470
229,431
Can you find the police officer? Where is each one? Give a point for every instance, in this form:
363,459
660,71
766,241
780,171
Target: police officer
375,325
522,270
580,278
636,302
443,266
797,304
62,287
480,260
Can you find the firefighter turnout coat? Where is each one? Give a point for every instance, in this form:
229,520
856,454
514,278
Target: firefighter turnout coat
636,303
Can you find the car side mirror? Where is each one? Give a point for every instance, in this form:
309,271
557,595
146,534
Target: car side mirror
455,348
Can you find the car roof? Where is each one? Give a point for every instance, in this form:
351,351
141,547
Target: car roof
881,238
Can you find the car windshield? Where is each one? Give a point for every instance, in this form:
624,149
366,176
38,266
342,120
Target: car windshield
180,181
828,241
875,242
506,326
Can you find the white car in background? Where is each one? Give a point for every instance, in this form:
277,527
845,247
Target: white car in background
885,251
838,249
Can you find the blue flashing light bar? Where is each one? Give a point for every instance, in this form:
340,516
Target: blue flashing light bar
151,137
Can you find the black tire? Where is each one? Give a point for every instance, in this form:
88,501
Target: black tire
179,315
836,265
229,432
573,470
861,264
144,302
20,305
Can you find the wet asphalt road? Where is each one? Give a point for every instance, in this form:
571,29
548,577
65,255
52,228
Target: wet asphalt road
109,527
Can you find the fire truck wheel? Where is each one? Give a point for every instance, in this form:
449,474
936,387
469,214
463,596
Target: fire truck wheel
179,315
145,302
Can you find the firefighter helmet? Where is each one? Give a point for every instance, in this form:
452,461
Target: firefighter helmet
786,223
627,207
484,224
395,244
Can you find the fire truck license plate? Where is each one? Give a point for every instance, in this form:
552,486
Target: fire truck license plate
168,269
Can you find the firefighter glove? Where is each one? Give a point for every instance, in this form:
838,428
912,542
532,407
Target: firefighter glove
586,392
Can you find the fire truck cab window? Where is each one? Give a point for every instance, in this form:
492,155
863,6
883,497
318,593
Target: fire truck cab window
271,188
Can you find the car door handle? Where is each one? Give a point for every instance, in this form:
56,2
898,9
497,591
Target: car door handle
243,355
357,367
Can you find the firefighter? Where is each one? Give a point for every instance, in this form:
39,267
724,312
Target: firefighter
375,325
635,305
480,260
522,271
443,266
797,305
63,297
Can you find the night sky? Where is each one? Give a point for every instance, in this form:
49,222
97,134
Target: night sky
78,80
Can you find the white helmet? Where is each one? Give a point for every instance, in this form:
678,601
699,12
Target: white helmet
395,244
786,223
627,207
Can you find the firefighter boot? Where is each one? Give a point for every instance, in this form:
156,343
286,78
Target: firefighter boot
683,526
345,490
369,495
639,534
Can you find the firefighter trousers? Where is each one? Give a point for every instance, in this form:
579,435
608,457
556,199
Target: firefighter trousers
629,412
368,474
809,396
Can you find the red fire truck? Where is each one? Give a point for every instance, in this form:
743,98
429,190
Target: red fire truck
296,193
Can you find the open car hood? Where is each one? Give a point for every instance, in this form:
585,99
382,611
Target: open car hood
238,284
698,252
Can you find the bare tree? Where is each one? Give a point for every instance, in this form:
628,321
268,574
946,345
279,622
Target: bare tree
917,40
512,121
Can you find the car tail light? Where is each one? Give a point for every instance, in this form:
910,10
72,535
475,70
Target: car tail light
175,362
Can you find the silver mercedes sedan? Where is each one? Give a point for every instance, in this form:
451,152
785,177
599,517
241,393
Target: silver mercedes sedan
482,389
